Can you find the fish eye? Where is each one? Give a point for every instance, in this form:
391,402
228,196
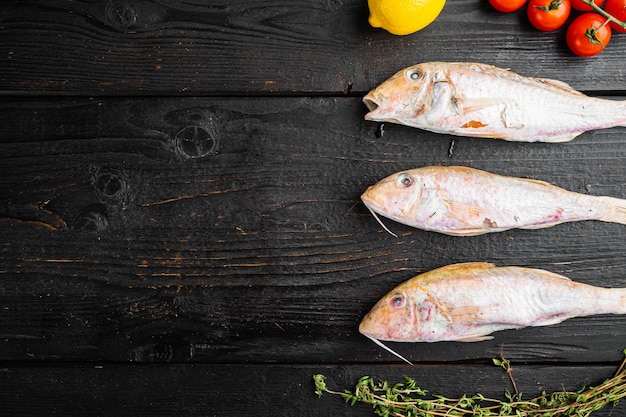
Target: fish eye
415,75
397,301
405,180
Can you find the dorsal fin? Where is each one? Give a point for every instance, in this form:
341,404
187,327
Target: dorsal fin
469,265
560,85
454,270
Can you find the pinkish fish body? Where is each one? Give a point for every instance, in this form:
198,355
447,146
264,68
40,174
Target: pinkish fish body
468,302
463,201
478,100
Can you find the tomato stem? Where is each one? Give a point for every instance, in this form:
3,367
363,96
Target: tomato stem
591,34
554,5
608,16
606,22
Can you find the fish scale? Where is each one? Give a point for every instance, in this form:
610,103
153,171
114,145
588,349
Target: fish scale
478,100
463,201
468,302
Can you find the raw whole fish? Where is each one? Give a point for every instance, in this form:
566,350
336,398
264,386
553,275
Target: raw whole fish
471,99
467,302
463,201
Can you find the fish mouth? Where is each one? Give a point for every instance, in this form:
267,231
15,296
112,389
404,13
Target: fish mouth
373,106
372,207
370,328
370,102
378,111
365,197
370,201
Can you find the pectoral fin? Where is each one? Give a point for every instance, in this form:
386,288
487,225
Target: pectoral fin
470,105
489,117
551,321
471,219
442,99
560,138
473,338
463,211
466,315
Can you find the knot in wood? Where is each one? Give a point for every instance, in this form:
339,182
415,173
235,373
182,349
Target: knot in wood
333,5
92,219
110,184
194,142
120,16
341,376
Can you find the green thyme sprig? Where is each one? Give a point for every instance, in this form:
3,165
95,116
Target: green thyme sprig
406,399
506,365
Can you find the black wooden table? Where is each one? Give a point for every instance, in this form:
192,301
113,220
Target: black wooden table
179,207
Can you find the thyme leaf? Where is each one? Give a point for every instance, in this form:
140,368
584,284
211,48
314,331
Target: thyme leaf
407,399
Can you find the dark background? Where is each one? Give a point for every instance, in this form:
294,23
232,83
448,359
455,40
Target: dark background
181,230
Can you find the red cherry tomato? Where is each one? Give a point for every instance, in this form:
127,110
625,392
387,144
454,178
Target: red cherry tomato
617,9
588,34
547,15
584,7
507,6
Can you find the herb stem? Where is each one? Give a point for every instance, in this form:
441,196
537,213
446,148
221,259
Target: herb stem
407,399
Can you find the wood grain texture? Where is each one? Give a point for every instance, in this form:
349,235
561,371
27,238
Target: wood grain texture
210,230
180,225
262,47
269,390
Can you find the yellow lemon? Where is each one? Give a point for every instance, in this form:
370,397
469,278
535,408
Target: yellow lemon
402,17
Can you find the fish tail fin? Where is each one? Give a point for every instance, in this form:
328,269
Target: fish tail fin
623,122
622,301
615,210
618,298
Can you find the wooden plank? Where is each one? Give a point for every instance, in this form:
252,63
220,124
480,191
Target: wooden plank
263,47
230,230
269,390
202,249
